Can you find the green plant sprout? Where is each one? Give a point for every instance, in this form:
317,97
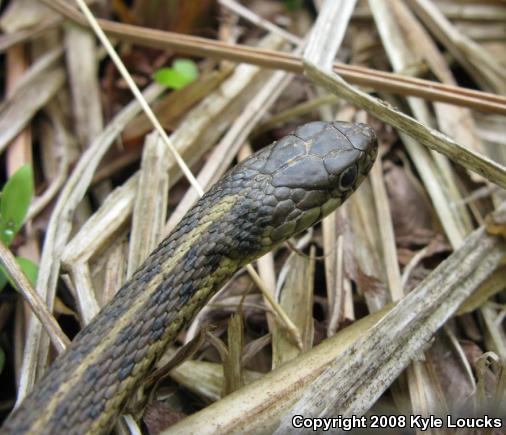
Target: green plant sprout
183,71
15,200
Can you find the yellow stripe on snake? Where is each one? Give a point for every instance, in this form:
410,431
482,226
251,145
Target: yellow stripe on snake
269,197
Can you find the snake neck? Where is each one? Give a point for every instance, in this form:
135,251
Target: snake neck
274,194
87,387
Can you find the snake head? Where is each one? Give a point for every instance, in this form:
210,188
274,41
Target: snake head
309,173
333,156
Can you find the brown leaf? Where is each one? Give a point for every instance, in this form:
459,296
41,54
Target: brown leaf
449,373
426,263
436,245
159,416
411,213
372,288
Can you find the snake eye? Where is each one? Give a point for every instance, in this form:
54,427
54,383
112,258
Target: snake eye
348,177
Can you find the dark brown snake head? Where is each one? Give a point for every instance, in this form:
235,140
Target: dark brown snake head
333,156
307,174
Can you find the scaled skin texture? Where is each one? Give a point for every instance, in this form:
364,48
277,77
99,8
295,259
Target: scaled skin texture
271,196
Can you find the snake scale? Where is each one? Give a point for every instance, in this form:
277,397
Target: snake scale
266,199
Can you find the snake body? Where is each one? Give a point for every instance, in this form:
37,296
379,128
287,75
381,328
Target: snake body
276,193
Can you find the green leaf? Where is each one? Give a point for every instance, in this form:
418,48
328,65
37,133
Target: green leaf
183,71
2,360
186,67
16,197
3,278
30,269
293,5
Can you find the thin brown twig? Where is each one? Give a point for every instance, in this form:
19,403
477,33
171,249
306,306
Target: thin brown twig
57,336
378,80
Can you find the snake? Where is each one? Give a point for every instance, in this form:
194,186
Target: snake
274,194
